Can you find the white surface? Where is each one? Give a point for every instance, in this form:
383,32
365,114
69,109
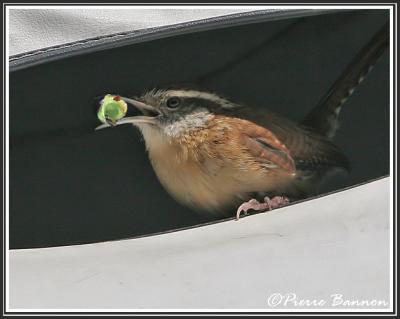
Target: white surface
334,244
33,29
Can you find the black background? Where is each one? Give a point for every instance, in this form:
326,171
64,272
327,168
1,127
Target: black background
70,184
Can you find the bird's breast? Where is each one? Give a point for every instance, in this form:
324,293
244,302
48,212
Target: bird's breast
195,182
206,170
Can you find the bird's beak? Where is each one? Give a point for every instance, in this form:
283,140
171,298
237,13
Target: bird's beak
149,113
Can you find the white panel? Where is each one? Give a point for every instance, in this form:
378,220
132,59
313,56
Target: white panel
33,29
334,244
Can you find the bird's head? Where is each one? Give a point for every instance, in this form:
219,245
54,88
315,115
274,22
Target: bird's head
176,110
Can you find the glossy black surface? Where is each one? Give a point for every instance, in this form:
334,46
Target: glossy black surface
70,184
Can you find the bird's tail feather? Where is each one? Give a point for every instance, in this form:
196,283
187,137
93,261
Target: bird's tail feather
324,117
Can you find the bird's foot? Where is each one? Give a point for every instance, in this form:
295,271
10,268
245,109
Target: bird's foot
268,204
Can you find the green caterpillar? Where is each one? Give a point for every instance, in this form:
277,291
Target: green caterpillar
112,108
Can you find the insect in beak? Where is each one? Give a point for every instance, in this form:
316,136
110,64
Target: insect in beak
149,113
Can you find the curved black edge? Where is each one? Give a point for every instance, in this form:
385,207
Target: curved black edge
174,230
234,217
111,41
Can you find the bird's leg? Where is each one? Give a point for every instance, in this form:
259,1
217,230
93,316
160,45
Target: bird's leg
268,204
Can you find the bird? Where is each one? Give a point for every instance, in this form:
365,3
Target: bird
216,155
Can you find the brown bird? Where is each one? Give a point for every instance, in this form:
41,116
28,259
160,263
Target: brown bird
215,155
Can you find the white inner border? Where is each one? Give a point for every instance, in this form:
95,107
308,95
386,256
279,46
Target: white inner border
393,73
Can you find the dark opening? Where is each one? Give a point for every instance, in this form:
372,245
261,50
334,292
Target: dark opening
71,185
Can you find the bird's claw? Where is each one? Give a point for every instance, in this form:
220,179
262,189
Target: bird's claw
268,204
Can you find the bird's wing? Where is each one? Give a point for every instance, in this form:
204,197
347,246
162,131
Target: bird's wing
266,147
297,147
310,151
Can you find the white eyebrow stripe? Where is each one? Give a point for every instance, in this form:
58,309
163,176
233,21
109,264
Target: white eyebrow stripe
204,95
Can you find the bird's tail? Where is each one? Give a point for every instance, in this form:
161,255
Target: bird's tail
324,117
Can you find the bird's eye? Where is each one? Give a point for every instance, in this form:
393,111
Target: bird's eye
173,102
